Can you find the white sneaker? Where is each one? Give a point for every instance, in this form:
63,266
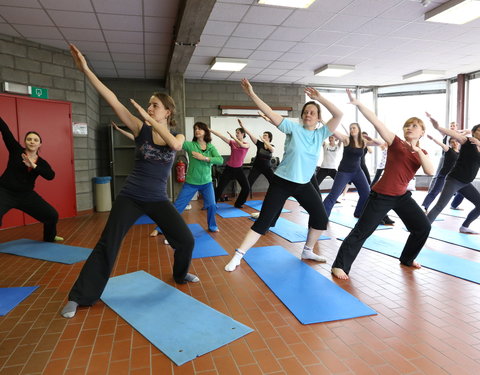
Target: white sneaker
467,230
312,256
255,215
188,207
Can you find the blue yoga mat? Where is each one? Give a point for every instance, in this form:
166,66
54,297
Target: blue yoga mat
349,221
311,297
257,205
449,264
226,211
177,324
144,219
205,245
291,231
457,213
52,252
11,297
454,237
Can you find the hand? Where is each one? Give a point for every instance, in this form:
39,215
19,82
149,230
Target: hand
240,123
78,58
29,162
367,138
262,115
351,98
115,125
142,112
414,146
475,141
247,87
198,155
432,120
429,137
312,93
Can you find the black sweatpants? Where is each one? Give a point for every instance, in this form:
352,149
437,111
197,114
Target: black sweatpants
125,211
34,205
259,168
233,174
322,173
376,208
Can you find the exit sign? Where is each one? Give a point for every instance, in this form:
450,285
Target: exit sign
38,92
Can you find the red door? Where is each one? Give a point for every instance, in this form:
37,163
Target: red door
8,111
52,121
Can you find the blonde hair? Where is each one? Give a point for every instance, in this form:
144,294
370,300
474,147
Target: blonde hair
415,120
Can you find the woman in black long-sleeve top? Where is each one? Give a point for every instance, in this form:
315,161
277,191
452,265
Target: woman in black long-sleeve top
18,181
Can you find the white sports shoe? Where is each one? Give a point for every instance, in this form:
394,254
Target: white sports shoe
467,230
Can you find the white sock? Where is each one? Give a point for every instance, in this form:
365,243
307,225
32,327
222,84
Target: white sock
235,261
308,253
69,310
190,277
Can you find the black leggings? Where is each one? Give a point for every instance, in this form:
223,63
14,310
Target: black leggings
231,173
258,169
34,205
321,173
279,191
125,211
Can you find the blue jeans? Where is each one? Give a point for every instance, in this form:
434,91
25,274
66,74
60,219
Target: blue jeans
186,195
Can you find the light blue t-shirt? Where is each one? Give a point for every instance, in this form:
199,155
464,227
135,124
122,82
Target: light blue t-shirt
302,150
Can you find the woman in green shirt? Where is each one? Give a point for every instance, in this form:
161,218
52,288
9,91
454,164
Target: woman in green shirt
201,155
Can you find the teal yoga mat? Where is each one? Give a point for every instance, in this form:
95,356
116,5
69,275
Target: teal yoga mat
177,324
457,213
449,264
226,211
11,297
291,231
52,252
311,297
257,205
349,221
471,241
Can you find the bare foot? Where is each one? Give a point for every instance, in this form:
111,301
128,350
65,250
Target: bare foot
416,265
154,233
339,273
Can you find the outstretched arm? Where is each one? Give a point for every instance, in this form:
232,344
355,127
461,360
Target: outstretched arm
241,144
220,135
252,137
132,122
425,161
369,141
125,133
384,132
441,144
334,111
175,142
274,117
451,133
343,138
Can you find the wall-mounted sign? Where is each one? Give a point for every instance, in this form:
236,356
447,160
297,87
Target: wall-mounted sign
38,92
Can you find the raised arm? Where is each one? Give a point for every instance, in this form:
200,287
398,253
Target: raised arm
132,122
125,133
334,111
343,138
369,141
10,141
384,132
252,137
175,142
220,135
241,144
268,145
462,138
441,144
274,117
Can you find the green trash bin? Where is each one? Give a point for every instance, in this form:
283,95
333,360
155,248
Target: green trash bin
103,195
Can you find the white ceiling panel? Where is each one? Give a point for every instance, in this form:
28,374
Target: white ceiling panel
345,23
293,57
248,30
324,37
25,16
380,26
276,45
219,28
207,51
238,53
129,7
308,19
161,39
244,43
128,57
158,8
357,40
83,34
267,15
228,12
368,8
21,3
44,32
120,22
76,6
126,47
212,41
290,34
265,55
123,37
159,24
80,20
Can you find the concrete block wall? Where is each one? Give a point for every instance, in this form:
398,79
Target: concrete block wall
38,65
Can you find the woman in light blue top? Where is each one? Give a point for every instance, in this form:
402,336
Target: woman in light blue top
292,177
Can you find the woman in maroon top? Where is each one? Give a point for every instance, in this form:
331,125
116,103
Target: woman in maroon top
390,193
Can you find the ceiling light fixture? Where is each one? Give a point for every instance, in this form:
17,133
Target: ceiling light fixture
423,75
455,11
334,70
288,3
228,64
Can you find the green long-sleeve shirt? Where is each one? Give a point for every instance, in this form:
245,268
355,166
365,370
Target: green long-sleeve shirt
199,171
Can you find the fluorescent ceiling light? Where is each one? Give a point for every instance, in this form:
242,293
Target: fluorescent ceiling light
225,63
424,74
288,3
334,70
455,11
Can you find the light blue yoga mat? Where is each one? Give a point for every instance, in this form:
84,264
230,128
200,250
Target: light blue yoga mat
311,297
205,245
177,324
52,252
291,231
349,221
471,241
257,205
449,264
11,297
457,213
227,211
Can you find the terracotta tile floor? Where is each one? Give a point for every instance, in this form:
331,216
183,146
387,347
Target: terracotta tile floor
427,322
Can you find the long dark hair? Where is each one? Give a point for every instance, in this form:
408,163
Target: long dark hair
360,139
201,125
